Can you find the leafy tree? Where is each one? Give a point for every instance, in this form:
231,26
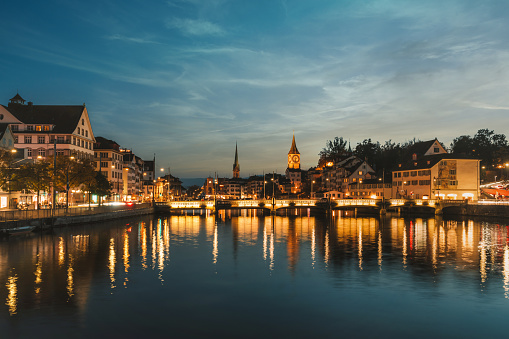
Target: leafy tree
369,151
101,186
35,176
334,149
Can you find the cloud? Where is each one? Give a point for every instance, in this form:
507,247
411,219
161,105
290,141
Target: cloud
130,39
195,27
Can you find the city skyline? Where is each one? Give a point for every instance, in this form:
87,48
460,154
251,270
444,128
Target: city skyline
187,80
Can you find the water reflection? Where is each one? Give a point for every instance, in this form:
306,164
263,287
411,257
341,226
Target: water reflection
67,266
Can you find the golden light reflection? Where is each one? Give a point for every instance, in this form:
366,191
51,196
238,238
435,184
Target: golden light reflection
12,293
404,247
112,260
271,250
38,274
215,247
359,245
142,231
160,251
125,257
326,249
313,248
61,252
380,249
70,277
506,271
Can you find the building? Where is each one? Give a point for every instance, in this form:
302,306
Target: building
236,166
41,128
109,161
432,173
293,171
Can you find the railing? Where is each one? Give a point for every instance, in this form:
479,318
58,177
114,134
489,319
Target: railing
19,215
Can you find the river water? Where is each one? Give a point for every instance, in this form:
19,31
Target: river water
252,276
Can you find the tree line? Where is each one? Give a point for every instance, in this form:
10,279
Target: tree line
491,148
41,175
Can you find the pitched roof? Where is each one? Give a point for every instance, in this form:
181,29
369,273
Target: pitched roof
64,118
3,129
103,143
293,149
420,148
17,98
429,161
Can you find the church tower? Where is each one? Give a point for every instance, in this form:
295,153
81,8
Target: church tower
294,156
236,166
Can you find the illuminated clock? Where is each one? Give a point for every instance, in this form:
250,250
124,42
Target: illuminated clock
295,158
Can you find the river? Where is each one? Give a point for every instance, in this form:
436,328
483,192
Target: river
245,275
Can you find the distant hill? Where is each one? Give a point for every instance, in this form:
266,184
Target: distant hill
186,182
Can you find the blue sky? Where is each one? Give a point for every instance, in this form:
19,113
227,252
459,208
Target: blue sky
188,79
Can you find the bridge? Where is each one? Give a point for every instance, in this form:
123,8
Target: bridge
276,204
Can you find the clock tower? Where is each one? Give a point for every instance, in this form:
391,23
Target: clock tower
294,156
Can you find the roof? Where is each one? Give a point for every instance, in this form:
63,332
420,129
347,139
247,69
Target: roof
420,148
293,149
429,161
103,143
17,98
3,128
64,118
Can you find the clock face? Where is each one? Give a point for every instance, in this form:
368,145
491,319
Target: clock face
295,158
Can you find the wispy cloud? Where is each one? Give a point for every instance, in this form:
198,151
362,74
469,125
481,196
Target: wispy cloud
132,39
195,27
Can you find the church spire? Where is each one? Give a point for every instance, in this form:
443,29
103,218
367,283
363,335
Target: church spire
293,149
236,166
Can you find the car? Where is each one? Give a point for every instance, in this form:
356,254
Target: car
129,203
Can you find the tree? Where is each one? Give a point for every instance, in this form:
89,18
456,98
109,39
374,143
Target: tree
36,177
101,186
334,149
368,151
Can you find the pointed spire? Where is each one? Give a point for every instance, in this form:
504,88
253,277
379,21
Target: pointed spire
236,165
293,149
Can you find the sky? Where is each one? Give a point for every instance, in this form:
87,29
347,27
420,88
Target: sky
188,79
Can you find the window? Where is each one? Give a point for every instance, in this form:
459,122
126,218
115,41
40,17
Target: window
413,173
104,164
60,153
46,128
60,139
83,121
42,152
415,182
452,172
14,127
405,174
15,139
28,139
395,175
86,133
38,128
30,128
40,140
436,150
360,172
79,130
453,182
29,152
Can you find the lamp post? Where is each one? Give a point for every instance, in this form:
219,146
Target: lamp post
13,151
112,168
67,186
311,195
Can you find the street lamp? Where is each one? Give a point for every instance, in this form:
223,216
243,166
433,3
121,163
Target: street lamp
312,182
67,187
112,168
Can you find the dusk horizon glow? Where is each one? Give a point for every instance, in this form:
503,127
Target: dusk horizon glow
188,80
